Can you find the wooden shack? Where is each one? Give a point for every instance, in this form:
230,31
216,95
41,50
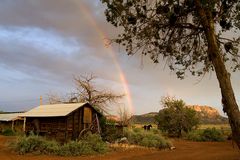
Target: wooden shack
62,122
11,121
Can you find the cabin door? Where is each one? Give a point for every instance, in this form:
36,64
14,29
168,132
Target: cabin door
87,117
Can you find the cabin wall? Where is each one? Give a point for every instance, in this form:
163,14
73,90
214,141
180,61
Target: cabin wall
51,127
78,121
74,124
61,128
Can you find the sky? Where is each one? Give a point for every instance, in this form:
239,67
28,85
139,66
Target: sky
43,44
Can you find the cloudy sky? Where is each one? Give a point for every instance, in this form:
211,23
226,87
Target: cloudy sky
44,43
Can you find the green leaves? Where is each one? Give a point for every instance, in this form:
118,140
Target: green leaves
176,118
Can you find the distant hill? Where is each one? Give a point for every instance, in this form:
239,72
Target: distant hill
147,118
207,115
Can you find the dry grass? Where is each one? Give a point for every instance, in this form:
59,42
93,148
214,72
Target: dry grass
141,125
217,126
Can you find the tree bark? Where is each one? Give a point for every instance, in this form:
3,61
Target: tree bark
229,103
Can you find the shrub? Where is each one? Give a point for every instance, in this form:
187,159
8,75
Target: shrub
8,132
96,143
212,134
147,139
111,134
209,134
75,148
194,135
92,144
36,144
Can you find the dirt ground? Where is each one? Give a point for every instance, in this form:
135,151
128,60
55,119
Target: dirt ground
185,150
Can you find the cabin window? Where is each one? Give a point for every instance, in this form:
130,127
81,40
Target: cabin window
87,115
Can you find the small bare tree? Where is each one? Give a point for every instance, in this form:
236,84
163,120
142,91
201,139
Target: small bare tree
124,116
54,98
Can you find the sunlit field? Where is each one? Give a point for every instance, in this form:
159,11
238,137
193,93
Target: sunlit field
217,126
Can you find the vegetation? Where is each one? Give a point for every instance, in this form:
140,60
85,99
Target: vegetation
92,144
190,35
8,132
147,138
149,118
209,134
110,132
86,91
124,116
176,118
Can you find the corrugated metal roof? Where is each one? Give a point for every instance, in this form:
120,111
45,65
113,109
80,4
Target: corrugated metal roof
10,116
53,110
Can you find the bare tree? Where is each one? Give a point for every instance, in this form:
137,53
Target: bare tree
54,98
86,91
124,116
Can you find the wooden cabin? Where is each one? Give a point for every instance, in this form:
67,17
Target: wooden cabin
62,122
11,121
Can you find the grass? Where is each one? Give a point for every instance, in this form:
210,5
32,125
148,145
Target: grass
136,125
217,126
8,132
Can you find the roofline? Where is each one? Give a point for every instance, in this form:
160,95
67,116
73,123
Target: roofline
86,103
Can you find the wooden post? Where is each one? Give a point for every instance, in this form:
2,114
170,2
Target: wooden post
66,126
24,124
12,125
73,126
79,121
41,100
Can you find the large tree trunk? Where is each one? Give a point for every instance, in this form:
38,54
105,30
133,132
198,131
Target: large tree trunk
228,98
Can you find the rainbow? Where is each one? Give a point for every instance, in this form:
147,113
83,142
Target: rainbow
88,15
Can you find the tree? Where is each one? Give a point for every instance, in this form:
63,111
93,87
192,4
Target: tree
190,36
54,98
176,118
124,116
86,91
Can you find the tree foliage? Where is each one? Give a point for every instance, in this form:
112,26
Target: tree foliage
196,36
176,118
86,91
172,30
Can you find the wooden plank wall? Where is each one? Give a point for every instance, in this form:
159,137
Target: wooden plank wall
60,128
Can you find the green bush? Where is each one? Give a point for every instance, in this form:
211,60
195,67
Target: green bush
111,134
92,144
36,144
209,134
8,132
212,134
96,143
75,148
194,135
147,139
